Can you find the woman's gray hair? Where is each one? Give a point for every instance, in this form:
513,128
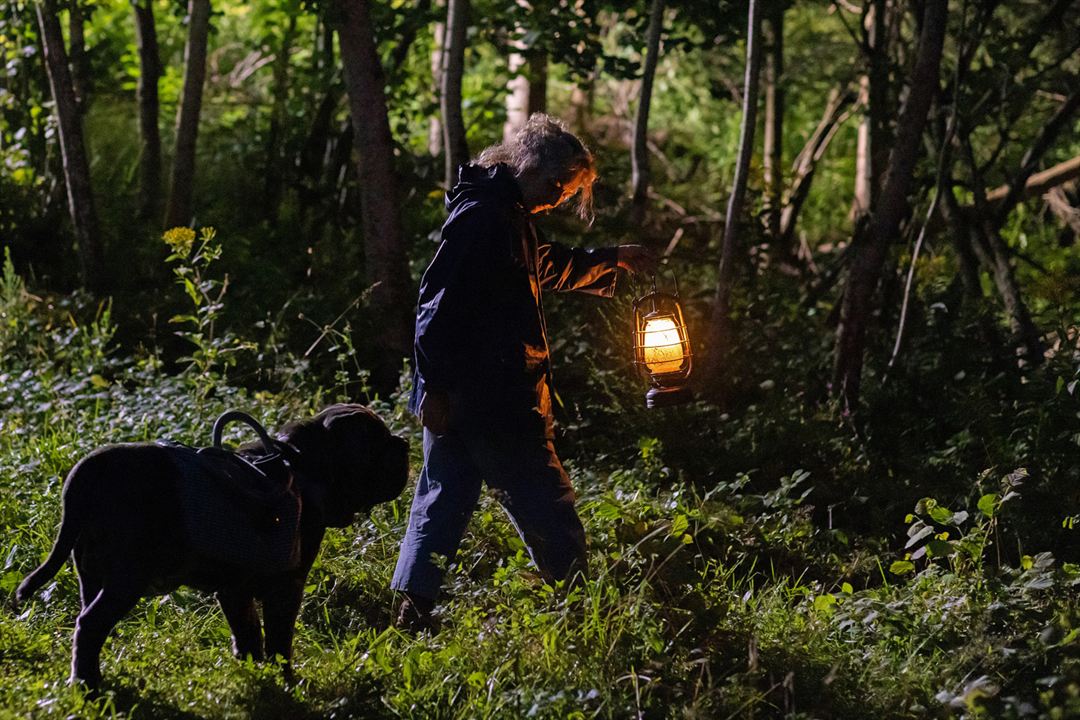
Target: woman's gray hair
545,143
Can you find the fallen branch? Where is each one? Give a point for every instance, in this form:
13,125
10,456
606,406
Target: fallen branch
1018,185
807,160
1040,182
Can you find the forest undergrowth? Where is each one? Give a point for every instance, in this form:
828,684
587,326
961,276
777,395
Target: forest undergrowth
759,559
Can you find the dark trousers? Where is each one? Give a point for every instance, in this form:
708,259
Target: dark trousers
531,485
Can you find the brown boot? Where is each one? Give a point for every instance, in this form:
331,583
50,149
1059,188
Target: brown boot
415,614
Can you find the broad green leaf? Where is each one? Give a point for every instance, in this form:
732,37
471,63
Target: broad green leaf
939,548
940,514
902,567
824,603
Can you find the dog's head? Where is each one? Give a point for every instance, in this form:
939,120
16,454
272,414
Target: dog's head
352,456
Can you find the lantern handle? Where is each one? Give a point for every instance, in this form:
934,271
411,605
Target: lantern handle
656,293
674,280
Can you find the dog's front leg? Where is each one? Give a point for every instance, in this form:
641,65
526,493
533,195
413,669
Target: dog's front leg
243,619
280,608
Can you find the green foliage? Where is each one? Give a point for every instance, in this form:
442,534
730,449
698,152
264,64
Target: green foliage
748,553
708,598
960,538
14,306
214,352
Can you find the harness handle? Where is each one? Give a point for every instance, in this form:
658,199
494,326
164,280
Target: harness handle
236,415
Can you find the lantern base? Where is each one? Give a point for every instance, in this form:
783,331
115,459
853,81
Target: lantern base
667,396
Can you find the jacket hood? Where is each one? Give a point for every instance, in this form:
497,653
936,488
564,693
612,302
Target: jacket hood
476,181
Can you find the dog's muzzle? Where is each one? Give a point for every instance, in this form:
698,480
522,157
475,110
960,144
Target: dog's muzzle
393,469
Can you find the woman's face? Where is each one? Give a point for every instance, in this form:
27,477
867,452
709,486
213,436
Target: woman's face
557,190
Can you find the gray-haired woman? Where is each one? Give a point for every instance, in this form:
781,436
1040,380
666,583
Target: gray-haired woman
482,386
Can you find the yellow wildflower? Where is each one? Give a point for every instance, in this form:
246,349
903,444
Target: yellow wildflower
180,239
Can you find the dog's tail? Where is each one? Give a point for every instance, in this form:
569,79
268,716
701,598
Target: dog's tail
70,528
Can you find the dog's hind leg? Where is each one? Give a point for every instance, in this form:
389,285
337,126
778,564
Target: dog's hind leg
89,588
243,619
89,577
93,626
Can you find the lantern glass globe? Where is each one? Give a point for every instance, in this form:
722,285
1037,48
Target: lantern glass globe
662,345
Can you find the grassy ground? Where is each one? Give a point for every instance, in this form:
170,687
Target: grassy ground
708,599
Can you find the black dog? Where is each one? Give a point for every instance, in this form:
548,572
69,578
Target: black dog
123,523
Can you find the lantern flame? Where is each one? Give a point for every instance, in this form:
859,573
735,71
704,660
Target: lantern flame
662,345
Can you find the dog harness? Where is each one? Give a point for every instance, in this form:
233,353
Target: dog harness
240,507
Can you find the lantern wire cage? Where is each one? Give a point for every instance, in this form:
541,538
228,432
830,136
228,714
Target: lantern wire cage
662,346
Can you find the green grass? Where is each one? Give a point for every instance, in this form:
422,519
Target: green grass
708,598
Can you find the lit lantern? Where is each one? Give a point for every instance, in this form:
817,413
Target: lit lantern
662,347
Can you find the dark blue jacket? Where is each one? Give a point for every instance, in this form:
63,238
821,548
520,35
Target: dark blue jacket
480,330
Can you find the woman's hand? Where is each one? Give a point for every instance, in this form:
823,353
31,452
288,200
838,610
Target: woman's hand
435,412
637,259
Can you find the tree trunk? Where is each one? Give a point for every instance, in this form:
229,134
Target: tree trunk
455,146
80,66
386,261
312,158
580,110
324,49
72,147
1021,324
639,160
720,327
873,139
873,237
861,203
994,254
517,96
178,211
969,254
772,155
961,237
278,120
315,151
435,142
538,81
149,108
528,89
